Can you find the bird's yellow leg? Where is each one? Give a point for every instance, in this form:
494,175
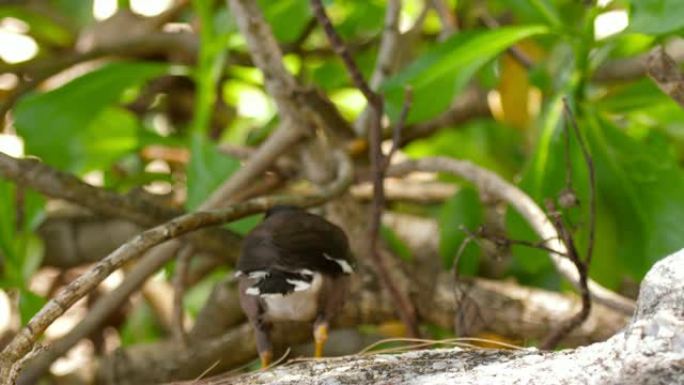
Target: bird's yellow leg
266,358
320,337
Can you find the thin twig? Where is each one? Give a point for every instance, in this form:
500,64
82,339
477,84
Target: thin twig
206,371
568,157
448,341
592,181
135,208
471,104
23,341
507,310
502,241
576,320
564,232
516,53
446,17
179,282
399,127
470,236
461,297
533,214
374,99
405,307
387,59
19,365
280,360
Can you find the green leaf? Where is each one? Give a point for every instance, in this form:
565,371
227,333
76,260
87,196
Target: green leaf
41,26
547,11
33,255
21,252
79,12
212,54
101,150
208,168
485,142
196,296
141,326
441,73
542,178
244,225
606,267
7,219
68,125
656,16
287,18
363,18
29,304
396,244
641,185
463,210
639,197
633,96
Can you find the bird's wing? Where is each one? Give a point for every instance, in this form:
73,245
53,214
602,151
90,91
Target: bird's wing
295,243
315,244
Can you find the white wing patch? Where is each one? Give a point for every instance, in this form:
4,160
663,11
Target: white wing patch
258,274
252,291
344,265
299,285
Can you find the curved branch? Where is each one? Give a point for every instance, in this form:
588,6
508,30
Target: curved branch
632,68
505,308
648,351
22,343
145,212
535,216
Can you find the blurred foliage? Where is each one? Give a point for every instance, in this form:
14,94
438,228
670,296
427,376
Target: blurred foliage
459,217
78,127
103,117
438,75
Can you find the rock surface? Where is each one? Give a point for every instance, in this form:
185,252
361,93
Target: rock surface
650,350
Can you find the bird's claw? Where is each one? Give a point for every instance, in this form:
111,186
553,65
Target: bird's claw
320,337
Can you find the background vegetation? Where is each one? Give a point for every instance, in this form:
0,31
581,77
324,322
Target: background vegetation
168,103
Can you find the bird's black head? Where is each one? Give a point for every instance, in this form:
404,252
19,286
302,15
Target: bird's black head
281,208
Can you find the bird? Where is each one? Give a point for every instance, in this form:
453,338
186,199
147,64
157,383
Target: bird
293,266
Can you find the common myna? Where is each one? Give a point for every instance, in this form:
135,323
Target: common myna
294,266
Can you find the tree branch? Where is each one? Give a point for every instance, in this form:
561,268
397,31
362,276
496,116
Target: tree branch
505,308
494,184
648,351
665,72
145,212
375,101
179,285
22,343
471,104
386,61
632,68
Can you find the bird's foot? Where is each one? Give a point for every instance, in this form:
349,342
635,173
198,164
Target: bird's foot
320,337
266,358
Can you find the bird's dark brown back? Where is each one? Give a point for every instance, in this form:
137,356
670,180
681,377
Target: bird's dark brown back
291,239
